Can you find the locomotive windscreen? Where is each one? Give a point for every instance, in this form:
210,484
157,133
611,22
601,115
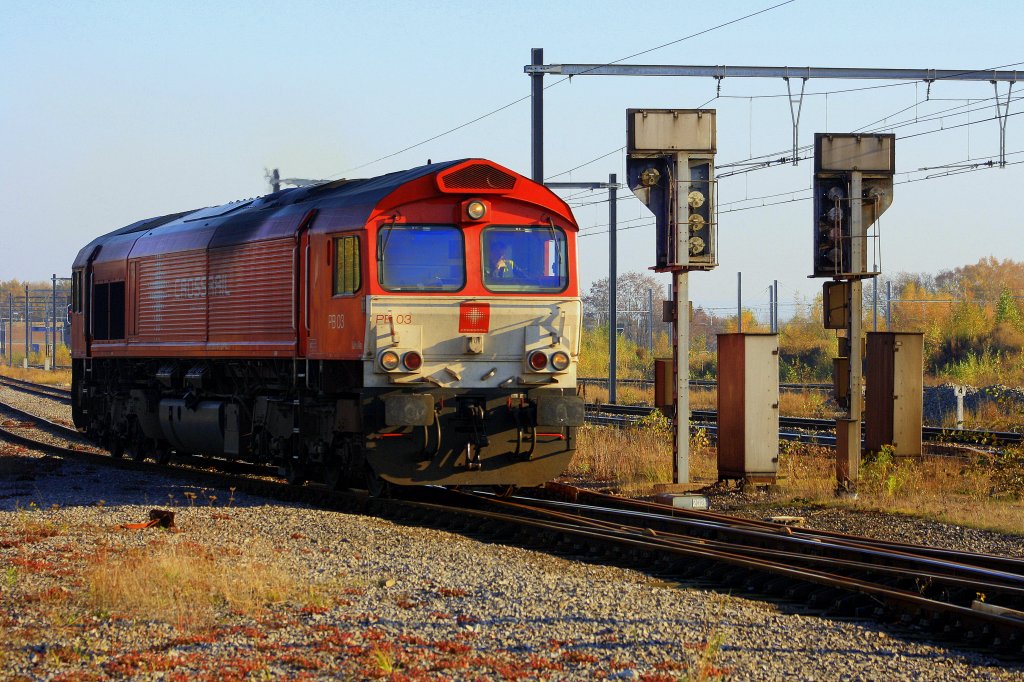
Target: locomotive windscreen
421,258
520,258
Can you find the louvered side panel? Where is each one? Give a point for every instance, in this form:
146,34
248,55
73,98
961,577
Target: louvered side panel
252,291
170,298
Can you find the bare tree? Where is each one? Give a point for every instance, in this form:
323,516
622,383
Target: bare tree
632,302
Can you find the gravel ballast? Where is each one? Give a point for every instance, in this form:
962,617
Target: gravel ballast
365,597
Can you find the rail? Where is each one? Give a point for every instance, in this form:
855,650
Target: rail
625,415
43,390
603,381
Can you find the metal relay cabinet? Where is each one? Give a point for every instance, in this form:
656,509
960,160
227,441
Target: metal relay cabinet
748,406
894,392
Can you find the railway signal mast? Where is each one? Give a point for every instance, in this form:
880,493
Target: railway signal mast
853,183
671,168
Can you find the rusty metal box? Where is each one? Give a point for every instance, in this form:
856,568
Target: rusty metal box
665,386
895,392
748,406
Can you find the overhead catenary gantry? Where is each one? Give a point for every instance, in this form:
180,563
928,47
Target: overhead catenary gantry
537,70
846,472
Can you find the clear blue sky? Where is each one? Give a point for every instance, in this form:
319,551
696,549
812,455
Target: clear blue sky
115,111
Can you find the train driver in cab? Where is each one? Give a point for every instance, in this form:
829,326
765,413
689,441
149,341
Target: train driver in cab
502,264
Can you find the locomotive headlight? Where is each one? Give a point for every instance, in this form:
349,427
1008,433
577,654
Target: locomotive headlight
389,360
560,360
412,361
537,360
476,209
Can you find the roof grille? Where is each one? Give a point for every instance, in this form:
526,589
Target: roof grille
477,177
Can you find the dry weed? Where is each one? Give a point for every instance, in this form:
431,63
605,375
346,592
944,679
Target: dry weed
791,403
60,377
983,493
994,415
971,493
635,458
185,583
625,394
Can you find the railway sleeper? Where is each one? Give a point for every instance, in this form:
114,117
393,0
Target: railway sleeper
697,568
800,591
774,585
823,597
847,604
736,577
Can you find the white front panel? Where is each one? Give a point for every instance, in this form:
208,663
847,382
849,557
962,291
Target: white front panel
453,359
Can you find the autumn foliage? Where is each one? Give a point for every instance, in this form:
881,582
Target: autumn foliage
972,318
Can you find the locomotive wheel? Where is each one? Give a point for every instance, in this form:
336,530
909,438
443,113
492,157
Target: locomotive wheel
136,450
163,454
334,473
376,486
294,473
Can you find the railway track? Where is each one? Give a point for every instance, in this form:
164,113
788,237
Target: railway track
968,599
796,429
649,383
943,591
807,430
61,394
624,415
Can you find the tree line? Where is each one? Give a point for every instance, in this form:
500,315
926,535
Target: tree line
972,318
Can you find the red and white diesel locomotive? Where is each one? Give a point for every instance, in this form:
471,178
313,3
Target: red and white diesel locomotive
421,327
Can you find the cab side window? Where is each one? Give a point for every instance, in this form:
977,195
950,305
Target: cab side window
346,265
76,291
108,311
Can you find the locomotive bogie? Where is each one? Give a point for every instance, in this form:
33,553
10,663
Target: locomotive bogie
486,436
477,437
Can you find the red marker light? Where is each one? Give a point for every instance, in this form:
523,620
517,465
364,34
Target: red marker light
412,361
538,360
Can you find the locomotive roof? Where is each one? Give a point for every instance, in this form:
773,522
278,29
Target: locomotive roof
259,218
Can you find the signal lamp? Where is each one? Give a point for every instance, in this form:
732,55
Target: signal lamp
537,360
700,212
560,360
389,360
412,361
476,209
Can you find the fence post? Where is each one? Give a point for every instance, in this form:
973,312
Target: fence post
28,330
650,319
10,323
53,325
